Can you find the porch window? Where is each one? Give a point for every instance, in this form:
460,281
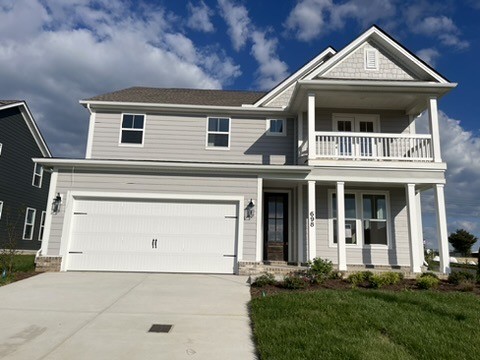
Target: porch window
218,133
374,219
133,129
350,219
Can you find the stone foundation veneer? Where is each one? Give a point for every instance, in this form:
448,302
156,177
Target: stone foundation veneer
48,263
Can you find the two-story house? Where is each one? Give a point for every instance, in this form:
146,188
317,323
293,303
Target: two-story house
23,184
327,164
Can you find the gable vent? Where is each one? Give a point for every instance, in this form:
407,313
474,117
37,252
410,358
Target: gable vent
371,59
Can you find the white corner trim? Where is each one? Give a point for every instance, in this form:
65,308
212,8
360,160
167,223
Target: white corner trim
259,248
91,129
48,218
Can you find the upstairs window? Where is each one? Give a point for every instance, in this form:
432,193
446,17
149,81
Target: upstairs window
29,224
218,133
133,129
371,59
37,176
276,127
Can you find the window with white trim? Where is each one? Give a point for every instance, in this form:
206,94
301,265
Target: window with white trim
218,132
133,129
42,226
366,218
1,147
29,224
1,209
37,175
276,127
371,59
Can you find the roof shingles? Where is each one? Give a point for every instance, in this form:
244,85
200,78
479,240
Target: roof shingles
180,96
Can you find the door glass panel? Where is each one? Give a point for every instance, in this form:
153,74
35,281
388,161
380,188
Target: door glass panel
366,126
344,125
271,209
279,209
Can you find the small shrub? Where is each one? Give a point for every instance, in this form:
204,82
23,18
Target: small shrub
386,278
466,285
458,276
321,267
360,277
295,281
427,281
264,280
429,273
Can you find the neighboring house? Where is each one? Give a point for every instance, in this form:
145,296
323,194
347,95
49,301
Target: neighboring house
23,184
327,164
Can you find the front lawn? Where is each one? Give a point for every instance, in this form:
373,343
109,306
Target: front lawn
24,266
367,324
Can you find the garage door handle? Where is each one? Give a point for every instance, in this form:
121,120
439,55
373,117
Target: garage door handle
229,255
231,217
75,252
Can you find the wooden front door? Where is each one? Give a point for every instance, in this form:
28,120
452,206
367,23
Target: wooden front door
276,227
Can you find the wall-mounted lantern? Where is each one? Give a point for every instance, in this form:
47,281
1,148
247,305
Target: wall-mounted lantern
56,204
250,210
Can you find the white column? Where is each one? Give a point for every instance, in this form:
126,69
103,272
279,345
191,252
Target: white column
413,229
312,233
421,250
311,127
442,232
48,212
301,224
434,129
300,135
342,249
259,209
91,127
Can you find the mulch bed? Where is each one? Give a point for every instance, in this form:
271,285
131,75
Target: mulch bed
338,284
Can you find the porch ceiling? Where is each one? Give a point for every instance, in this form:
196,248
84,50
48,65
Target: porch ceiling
412,98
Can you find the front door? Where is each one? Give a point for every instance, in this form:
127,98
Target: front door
276,227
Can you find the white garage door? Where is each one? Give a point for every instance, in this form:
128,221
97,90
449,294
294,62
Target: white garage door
159,236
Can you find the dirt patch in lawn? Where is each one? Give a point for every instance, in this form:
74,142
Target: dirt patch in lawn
340,284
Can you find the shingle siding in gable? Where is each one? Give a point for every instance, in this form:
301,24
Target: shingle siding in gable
183,138
283,98
353,67
16,172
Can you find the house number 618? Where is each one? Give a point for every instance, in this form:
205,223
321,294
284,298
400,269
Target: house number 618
312,219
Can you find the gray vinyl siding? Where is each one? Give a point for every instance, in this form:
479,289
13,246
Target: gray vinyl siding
398,252
183,138
127,182
16,173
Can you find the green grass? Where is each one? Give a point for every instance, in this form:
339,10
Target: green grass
367,324
24,263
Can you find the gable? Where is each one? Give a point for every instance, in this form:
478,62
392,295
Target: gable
353,66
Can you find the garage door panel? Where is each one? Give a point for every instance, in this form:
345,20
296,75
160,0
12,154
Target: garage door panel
153,236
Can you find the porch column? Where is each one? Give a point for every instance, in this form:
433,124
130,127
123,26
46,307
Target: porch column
421,250
442,232
312,227
301,224
259,209
434,129
342,249
311,126
413,229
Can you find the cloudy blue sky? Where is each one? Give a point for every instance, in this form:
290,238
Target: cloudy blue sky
56,52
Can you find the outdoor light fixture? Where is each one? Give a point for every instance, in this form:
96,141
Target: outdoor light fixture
57,201
250,210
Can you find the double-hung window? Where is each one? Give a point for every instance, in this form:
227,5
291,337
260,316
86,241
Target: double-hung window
350,219
374,219
42,226
133,129
218,133
29,224
37,175
276,127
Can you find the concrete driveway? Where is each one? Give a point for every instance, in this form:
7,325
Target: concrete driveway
108,315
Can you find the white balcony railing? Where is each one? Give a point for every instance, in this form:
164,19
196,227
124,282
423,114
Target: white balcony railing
373,146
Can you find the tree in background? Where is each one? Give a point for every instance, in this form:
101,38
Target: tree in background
462,241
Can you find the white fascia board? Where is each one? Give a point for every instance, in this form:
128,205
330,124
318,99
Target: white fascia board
179,107
32,126
380,85
317,61
148,165
386,40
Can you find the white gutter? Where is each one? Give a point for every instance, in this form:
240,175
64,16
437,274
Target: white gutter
369,84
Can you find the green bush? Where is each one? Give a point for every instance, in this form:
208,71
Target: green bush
429,273
360,277
458,276
321,267
466,285
264,280
386,278
295,281
427,281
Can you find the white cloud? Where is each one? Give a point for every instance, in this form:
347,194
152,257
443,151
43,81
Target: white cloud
238,21
199,17
433,25
308,19
271,69
428,55
81,50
